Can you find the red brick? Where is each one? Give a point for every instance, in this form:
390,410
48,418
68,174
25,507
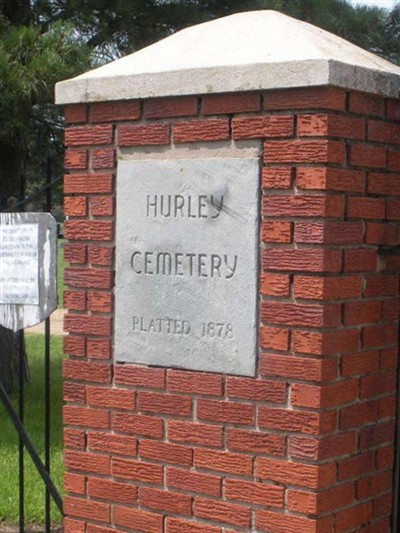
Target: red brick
258,442
88,183
319,288
86,371
223,411
113,491
373,485
75,345
191,481
165,452
384,184
274,284
114,111
74,483
394,160
361,312
325,343
371,208
305,151
75,113
74,438
293,314
276,178
331,179
306,98
303,206
302,260
100,302
353,518
222,104
164,403
360,260
87,509
170,107
317,397
75,300
100,255
276,231
221,461
368,155
137,519
285,366
87,278
93,463
256,389
92,230
88,135
360,363
194,433
379,335
262,127
99,348
134,424
302,475
382,234
307,422
383,132
74,526
76,159
75,253
110,443
356,466
309,232
101,206
163,500
358,415
75,206
317,503
220,511
88,325
175,525
254,493
381,285
368,104
377,384
328,447
284,523
201,130
139,376
274,338
74,392
194,382
143,135
111,398
136,470
103,158
322,125
86,417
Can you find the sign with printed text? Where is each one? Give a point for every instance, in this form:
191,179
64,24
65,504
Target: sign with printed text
186,264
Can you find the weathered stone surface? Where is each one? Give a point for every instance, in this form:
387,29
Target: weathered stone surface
186,262
28,258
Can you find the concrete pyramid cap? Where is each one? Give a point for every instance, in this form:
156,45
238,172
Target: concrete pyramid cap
248,51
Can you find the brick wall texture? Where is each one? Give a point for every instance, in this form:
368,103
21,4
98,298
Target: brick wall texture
307,445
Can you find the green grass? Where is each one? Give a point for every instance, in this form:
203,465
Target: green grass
34,417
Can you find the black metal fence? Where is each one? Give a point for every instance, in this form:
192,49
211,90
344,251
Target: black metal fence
17,415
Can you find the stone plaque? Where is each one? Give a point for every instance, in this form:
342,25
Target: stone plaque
28,259
187,264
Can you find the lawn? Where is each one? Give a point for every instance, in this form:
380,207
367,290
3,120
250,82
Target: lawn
34,417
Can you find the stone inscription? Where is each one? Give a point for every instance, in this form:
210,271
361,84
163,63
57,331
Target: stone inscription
19,271
186,264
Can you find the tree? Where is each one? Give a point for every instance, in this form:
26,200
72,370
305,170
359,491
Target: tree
31,61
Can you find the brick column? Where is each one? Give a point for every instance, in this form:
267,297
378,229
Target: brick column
307,445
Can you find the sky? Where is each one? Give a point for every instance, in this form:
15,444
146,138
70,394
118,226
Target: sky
380,3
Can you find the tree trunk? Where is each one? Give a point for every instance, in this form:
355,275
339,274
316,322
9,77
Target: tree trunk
10,186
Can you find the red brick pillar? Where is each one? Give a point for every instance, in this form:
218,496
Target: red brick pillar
305,446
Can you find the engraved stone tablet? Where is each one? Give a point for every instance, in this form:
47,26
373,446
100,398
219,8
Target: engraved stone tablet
28,249
186,264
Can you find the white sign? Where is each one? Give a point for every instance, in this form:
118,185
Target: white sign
19,272
187,264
